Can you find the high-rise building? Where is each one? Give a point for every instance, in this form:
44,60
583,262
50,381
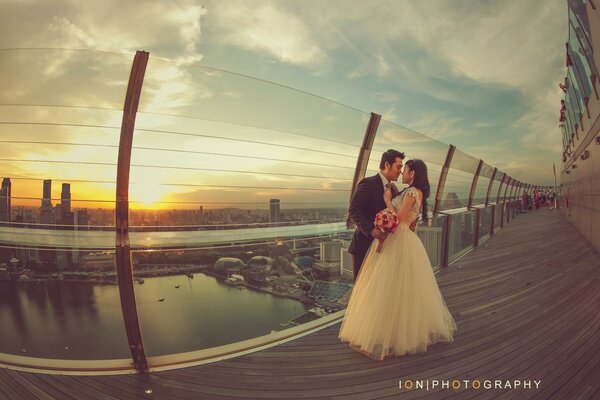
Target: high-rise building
82,218
46,212
47,216
331,251
47,196
274,211
346,264
65,200
5,198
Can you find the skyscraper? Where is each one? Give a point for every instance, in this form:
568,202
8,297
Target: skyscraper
5,194
46,212
65,200
274,211
47,197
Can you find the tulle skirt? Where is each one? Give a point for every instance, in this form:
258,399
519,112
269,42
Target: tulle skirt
396,306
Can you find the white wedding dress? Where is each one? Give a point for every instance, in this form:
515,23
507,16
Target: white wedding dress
396,307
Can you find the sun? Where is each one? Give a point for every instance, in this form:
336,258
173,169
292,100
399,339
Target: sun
147,196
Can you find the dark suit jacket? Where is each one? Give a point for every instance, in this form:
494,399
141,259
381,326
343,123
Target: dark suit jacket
365,204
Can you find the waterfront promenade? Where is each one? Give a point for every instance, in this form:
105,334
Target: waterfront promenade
527,306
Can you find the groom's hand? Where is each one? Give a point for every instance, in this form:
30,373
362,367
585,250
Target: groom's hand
413,225
377,234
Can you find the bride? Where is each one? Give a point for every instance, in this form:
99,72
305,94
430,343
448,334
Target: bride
396,307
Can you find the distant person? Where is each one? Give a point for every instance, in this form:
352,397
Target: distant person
525,201
396,306
564,87
551,199
367,201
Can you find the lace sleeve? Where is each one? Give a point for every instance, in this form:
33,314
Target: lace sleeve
413,192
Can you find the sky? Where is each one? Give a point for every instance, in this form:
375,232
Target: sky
481,75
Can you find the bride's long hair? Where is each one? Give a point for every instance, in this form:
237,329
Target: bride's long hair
420,181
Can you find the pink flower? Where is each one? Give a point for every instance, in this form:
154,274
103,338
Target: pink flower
387,222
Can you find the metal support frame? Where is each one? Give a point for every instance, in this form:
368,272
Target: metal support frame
444,256
508,183
513,194
443,176
509,205
474,184
487,196
476,230
518,199
493,218
123,249
363,156
500,188
514,199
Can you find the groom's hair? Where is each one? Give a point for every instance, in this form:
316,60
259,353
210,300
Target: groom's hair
390,156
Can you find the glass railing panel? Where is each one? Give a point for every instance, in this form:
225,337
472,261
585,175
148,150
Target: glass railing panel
483,183
197,299
431,235
62,77
55,303
498,216
248,108
225,166
485,220
60,116
495,187
461,235
459,181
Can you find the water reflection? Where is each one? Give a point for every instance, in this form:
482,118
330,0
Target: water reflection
68,320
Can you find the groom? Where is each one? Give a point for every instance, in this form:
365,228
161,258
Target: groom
367,201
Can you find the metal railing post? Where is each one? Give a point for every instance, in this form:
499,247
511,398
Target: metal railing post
123,249
363,156
442,180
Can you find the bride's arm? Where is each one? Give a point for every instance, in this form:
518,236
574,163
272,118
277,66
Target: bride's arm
405,206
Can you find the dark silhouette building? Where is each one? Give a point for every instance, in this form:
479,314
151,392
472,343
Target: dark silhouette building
274,211
66,215
5,198
47,212
47,196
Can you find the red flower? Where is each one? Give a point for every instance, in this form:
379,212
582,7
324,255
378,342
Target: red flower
387,222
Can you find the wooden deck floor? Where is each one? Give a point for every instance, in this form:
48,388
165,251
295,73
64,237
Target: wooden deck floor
527,306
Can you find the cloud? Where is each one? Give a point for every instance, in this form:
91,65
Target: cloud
386,97
438,125
170,30
269,29
540,124
234,95
390,115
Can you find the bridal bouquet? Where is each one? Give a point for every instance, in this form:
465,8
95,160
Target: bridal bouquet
387,222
